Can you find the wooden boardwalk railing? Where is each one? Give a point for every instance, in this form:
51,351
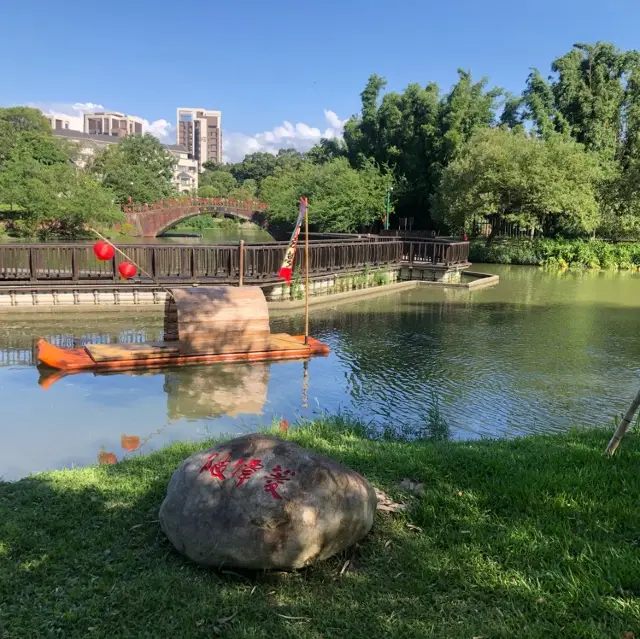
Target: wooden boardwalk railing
72,264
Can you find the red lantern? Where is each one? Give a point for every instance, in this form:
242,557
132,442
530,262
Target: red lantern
127,270
103,250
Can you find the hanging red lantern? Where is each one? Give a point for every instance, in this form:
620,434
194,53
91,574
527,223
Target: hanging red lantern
127,270
103,250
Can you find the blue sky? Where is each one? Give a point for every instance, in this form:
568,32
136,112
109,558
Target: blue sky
266,63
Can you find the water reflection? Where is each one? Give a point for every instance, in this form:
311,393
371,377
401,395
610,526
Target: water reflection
106,458
538,352
226,389
129,442
195,392
192,393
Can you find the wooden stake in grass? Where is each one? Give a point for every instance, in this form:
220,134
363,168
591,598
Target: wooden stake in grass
623,425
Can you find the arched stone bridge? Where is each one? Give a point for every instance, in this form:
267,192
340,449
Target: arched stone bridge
150,220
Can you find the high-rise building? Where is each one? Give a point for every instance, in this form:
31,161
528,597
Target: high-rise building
200,132
112,123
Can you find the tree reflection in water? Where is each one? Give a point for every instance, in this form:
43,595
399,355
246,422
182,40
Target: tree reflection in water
201,392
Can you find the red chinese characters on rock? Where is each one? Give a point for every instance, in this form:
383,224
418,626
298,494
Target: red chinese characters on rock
244,469
277,477
216,470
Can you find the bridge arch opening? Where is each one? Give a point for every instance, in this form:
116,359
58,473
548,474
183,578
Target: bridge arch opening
253,223
151,220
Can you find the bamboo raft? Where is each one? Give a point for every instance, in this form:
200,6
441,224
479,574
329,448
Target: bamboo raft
201,325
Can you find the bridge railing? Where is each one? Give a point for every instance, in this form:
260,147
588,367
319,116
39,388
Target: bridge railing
27,264
171,203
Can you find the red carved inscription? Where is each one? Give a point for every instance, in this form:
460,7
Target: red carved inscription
244,469
216,469
276,478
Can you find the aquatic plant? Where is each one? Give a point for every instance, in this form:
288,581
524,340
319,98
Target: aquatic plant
559,253
297,292
380,277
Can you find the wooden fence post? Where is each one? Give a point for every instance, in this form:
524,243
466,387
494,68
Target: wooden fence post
241,263
74,264
192,264
33,268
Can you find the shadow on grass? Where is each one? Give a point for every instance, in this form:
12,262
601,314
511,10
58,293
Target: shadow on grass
535,537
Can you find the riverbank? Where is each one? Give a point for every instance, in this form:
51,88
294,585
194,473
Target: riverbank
530,537
590,254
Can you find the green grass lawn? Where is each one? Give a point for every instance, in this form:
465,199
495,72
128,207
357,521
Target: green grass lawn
533,537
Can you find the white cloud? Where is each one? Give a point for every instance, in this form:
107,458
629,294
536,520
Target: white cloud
162,129
300,136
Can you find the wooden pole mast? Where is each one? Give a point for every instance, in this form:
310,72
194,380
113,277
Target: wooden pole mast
306,268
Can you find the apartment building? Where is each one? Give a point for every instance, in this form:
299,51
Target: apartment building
185,170
111,123
200,132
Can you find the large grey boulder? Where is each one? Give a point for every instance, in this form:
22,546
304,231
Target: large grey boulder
260,502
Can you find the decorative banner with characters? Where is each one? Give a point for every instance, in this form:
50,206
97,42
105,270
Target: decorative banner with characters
287,264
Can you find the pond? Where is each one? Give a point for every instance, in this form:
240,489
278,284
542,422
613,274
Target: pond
541,351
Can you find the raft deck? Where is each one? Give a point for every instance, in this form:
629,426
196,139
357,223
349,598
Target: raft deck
173,353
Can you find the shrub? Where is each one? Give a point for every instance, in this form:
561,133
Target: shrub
558,253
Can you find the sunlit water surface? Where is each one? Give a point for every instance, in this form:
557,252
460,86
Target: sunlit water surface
539,352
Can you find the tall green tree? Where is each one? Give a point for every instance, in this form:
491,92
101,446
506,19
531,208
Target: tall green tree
630,142
216,184
255,166
416,133
361,131
52,198
341,198
138,167
521,178
539,105
326,150
465,110
589,92
15,122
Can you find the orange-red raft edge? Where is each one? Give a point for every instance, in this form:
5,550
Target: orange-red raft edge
78,359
